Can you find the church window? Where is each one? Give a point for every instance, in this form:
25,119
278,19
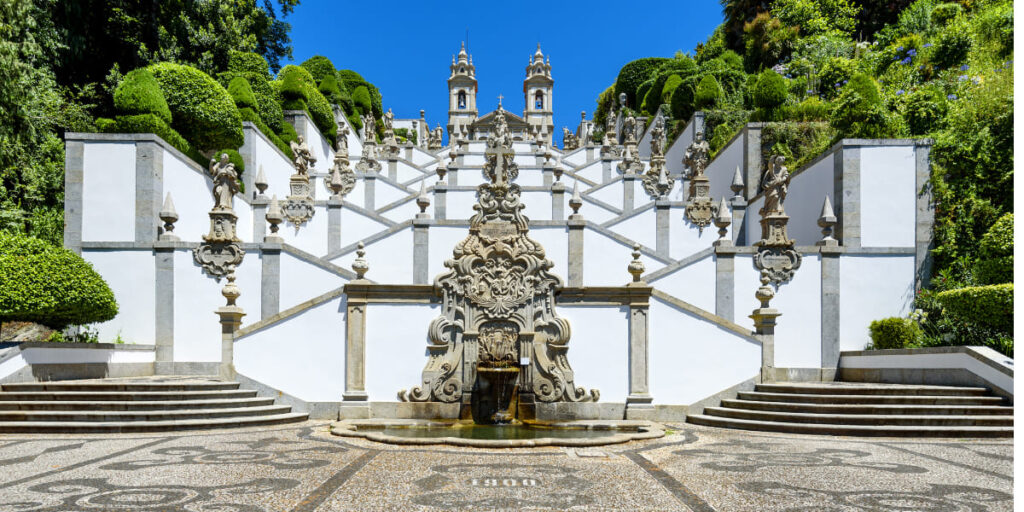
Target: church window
462,99
538,100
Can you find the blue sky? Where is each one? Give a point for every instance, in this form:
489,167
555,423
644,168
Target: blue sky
405,48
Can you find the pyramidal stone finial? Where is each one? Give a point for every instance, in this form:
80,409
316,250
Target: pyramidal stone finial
423,200
575,202
360,266
274,215
169,216
737,182
826,221
261,181
722,221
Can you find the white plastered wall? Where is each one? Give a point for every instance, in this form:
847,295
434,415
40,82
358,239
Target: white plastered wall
396,350
599,349
806,194
390,258
605,260
108,191
872,287
888,196
302,281
694,283
131,276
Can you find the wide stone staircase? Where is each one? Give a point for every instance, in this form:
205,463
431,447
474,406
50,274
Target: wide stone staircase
146,404
862,409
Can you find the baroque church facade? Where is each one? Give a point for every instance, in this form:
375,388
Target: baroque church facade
464,121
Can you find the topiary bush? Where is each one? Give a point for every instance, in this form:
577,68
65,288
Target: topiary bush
833,75
995,253
361,99
150,123
298,92
708,93
671,83
248,62
769,94
682,100
241,93
632,75
50,285
319,67
810,109
139,93
944,13
991,305
859,111
202,110
894,332
641,94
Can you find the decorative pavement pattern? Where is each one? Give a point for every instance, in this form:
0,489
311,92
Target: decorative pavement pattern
303,468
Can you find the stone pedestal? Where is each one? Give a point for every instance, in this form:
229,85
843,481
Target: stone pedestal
334,207
639,401
558,201
576,224
354,399
230,320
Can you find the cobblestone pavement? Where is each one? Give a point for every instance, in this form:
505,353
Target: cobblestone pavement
303,468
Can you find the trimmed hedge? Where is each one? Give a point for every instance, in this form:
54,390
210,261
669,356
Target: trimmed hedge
248,62
249,115
682,99
995,255
991,305
139,93
267,99
361,99
894,332
859,112
633,74
299,92
708,93
319,67
50,285
241,93
150,123
671,83
202,110
769,93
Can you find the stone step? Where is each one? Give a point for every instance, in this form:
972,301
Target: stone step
81,427
870,399
852,430
843,388
123,395
942,410
86,415
118,386
861,419
131,405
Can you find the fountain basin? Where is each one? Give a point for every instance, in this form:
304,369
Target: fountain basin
513,435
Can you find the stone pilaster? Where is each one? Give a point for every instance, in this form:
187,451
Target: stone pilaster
764,328
829,312
260,203
739,211
752,165
558,201
663,219
639,402
846,168
270,279
74,167
369,187
420,249
576,224
393,168
453,175
354,399
925,215
230,320
628,190
725,281
547,171
334,207
164,321
149,178
440,200
606,168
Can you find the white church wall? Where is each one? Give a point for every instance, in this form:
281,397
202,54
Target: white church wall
888,193
532,177
386,193
686,239
518,147
193,198
420,157
356,226
460,204
722,169
196,297
674,153
593,171
473,160
555,240
600,334
694,283
441,243
692,359
303,356
641,227
406,172
390,258
525,160
108,191
872,287
605,260
276,167
311,237
301,280
538,205
406,210
807,191
576,158
131,276
610,194
592,211
396,350
319,146
358,194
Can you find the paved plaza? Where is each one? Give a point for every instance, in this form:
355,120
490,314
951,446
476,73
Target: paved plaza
304,468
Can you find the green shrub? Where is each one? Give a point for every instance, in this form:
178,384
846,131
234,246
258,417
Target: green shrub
295,81
139,93
235,158
241,93
329,88
810,109
952,48
944,13
833,75
994,25
924,111
682,100
267,98
355,121
288,134
859,112
248,62
768,42
150,123
350,79
995,253
731,59
361,99
681,66
202,110
50,285
769,93
641,95
894,332
708,93
990,305
298,92
319,67
249,115
671,83
632,75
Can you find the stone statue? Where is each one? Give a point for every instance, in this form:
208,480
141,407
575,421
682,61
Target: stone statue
775,185
658,138
435,138
622,100
389,121
343,132
303,156
225,182
629,128
696,156
569,141
609,125
369,128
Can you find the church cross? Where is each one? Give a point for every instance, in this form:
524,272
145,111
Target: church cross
500,163
499,100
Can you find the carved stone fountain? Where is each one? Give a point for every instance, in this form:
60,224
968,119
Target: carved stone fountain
498,346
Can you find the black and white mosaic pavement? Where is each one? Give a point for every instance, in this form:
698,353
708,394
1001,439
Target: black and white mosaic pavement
304,468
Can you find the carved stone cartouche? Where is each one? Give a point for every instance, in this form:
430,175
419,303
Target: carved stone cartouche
776,256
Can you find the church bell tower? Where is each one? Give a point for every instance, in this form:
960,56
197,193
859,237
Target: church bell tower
462,110
537,88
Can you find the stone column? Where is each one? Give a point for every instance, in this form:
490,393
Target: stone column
74,167
639,401
576,224
752,158
149,178
334,207
164,322
664,222
725,281
260,203
548,170
270,278
739,211
558,201
354,399
369,184
230,319
420,248
440,200
764,329
846,173
393,168
829,312
925,215
453,175
627,193
606,168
